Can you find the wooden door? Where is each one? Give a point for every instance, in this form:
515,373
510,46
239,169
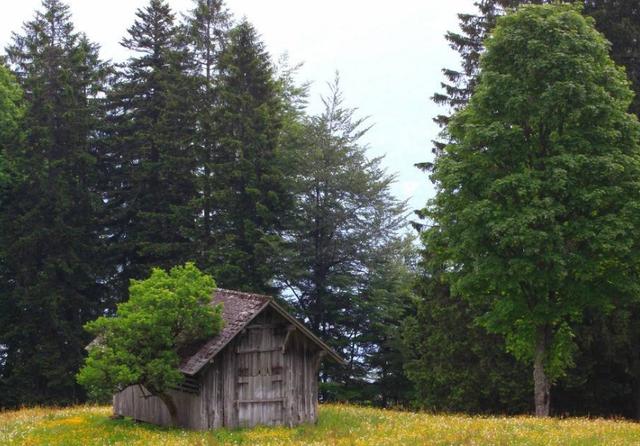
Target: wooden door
259,378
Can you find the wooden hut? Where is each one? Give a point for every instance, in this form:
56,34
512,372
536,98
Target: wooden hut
262,368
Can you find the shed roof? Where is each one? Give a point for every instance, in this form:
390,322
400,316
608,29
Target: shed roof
238,310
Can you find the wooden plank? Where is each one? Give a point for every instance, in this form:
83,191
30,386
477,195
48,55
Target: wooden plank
260,326
230,414
247,379
258,350
263,400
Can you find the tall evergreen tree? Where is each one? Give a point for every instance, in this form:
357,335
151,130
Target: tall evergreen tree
248,180
469,43
388,300
345,216
11,113
150,158
50,230
206,32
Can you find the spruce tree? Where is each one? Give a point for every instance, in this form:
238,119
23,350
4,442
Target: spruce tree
345,216
206,32
11,113
150,153
50,230
248,181
469,43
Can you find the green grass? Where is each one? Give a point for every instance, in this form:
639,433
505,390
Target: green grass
338,425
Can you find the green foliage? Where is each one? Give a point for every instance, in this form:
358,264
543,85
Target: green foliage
11,114
454,364
387,302
206,32
344,219
148,158
140,344
538,190
248,177
53,272
605,358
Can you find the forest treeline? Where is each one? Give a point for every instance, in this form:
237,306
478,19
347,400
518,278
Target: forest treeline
196,148
199,147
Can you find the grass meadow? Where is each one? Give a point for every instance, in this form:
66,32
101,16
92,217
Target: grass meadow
337,425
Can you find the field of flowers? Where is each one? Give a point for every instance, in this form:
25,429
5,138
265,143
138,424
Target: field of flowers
338,425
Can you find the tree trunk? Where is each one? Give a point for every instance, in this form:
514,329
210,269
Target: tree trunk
541,384
171,407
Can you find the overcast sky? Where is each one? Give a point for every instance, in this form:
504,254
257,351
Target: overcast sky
389,56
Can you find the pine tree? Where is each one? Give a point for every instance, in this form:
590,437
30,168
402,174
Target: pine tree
50,230
150,157
469,43
248,180
11,114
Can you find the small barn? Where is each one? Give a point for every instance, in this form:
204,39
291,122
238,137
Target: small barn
262,368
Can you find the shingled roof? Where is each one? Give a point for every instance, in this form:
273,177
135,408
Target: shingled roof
238,310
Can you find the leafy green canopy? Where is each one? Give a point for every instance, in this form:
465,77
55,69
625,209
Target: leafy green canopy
140,344
538,193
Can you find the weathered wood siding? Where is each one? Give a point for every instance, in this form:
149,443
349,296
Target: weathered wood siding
195,411
259,372
268,374
211,397
302,363
135,402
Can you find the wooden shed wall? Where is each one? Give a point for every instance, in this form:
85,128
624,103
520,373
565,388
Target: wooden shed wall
133,402
268,374
195,411
302,361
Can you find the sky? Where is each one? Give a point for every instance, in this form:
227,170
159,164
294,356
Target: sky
389,56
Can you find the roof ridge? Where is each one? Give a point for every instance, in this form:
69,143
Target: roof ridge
244,293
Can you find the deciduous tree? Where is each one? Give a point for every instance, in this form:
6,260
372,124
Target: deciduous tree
140,344
537,193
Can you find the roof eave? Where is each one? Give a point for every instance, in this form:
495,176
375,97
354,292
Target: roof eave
222,347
